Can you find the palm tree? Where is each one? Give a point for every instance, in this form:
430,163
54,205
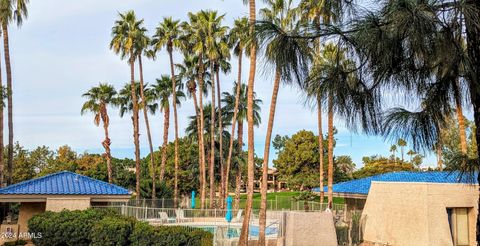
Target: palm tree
162,91
188,72
236,107
243,240
98,99
221,64
141,43
393,149
238,38
167,34
210,23
282,14
195,42
401,143
411,153
333,79
319,12
10,12
124,35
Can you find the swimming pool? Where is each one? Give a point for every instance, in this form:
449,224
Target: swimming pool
234,231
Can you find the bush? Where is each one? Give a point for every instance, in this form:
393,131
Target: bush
144,234
65,227
112,231
104,227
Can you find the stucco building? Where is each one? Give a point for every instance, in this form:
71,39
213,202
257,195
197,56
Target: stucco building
55,192
414,208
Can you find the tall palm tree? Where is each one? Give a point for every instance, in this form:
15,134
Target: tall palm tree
141,43
282,14
236,108
167,34
10,12
221,64
319,12
213,31
162,91
238,38
124,35
345,94
98,99
188,73
195,37
243,241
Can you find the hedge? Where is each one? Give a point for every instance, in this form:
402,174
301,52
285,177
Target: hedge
144,234
104,227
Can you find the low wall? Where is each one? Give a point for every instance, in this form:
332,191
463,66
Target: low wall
309,228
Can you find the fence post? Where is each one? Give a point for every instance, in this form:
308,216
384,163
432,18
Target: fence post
276,202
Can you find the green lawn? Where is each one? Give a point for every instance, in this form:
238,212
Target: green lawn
281,200
278,201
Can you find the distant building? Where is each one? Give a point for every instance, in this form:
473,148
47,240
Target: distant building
413,208
273,183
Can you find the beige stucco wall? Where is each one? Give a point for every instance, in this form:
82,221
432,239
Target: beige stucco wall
59,204
27,211
415,213
310,229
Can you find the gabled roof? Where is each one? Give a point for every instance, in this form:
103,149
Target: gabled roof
362,186
64,183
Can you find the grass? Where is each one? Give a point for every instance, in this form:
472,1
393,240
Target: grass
278,200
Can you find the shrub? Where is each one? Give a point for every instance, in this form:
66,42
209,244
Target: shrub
100,227
112,231
65,227
144,234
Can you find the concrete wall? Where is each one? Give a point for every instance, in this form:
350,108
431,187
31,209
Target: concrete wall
415,213
310,228
27,211
59,204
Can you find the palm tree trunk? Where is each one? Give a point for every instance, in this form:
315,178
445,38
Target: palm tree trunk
439,156
147,124
243,241
235,113
330,151
166,124
9,100
238,183
211,167
106,145
199,132
461,126
320,147
175,121
202,127
2,106
136,141
266,153
220,141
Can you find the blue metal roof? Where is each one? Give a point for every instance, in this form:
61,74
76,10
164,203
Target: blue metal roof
64,183
362,186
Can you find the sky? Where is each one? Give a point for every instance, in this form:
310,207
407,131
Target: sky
62,50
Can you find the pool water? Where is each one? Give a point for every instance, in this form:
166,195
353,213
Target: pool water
234,232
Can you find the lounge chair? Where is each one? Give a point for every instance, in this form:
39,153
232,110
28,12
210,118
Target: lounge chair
163,217
181,216
238,218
